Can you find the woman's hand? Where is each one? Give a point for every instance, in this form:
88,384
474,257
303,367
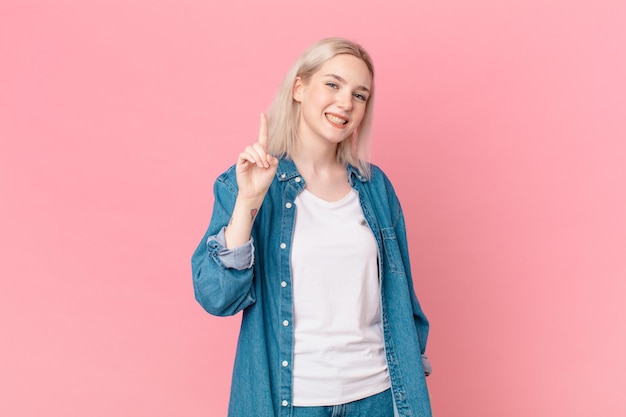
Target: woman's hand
255,167
255,172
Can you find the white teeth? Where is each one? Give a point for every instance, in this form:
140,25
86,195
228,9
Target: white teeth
336,119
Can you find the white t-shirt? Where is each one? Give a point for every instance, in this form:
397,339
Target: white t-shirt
339,352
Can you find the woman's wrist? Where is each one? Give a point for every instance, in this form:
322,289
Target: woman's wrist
240,225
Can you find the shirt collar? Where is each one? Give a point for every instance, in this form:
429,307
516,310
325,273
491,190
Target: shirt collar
354,173
287,170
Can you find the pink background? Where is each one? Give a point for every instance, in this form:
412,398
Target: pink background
501,124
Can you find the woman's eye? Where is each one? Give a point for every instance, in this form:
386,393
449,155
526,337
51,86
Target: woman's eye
360,97
332,85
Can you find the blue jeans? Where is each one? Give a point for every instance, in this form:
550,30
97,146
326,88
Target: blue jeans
378,405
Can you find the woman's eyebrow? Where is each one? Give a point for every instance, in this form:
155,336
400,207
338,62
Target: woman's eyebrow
341,79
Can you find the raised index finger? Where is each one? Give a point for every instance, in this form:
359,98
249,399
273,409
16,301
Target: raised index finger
263,132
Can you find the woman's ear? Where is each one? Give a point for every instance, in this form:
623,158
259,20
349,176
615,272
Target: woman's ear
297,90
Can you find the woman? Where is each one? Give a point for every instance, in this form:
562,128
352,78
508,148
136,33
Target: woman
308,239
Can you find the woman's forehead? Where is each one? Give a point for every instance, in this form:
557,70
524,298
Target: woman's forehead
350,68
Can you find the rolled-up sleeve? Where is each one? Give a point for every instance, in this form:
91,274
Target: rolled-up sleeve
239,258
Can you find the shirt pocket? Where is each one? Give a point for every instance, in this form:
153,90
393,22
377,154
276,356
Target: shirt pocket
392,255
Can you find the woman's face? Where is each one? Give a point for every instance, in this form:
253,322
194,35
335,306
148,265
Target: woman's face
333,101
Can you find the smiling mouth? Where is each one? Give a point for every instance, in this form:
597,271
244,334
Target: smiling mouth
336,119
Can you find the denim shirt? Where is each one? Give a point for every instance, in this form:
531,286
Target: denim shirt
261,288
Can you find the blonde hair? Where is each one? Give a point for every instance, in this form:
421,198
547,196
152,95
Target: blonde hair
284,113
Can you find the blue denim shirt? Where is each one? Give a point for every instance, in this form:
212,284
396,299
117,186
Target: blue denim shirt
261,287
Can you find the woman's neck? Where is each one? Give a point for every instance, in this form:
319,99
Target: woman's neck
323,174
315,160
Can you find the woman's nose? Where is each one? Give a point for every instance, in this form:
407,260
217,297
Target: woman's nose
344,100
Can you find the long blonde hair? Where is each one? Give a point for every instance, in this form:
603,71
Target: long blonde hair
284,113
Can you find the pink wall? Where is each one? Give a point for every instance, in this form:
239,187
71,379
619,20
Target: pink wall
502,125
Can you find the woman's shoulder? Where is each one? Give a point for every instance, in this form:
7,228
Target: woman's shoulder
228,174
378,176
228,178
381,184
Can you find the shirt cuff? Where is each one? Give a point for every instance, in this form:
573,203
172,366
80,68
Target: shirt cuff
428,369
240,258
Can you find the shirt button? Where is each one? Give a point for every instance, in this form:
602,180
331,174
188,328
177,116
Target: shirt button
285,323
283,175
285,363
298,179
285,403
283,284
288,205
283,245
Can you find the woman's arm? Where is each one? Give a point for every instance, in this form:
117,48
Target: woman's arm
222,284
222,263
